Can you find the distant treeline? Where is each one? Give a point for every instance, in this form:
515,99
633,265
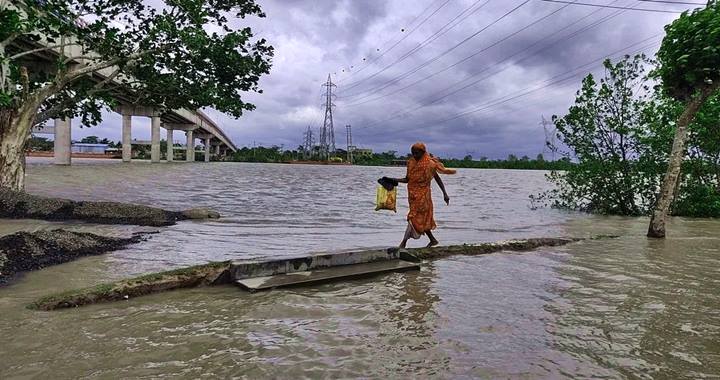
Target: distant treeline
391,158
512,162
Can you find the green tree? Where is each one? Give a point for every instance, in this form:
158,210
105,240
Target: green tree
697,192
689,66
40,144
165,54
89,140
602,132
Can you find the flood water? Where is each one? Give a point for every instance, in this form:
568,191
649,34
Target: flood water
618,308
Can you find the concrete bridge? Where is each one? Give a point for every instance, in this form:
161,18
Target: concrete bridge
194,123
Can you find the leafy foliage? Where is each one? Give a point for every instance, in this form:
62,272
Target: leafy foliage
169,54
602,132
690,53
620,133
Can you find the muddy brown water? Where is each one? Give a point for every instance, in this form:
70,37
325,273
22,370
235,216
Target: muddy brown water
622,308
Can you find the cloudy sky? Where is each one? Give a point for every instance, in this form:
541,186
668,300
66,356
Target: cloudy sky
465,76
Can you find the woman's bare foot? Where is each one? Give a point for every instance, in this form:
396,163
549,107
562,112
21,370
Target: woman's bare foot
432,243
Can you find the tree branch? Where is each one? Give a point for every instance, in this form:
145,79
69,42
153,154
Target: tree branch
8,40
50,112
87,69
78,57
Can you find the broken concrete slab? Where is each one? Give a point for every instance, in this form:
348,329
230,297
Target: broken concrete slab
325,274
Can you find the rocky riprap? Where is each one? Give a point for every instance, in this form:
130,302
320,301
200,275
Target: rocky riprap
28,251
21,205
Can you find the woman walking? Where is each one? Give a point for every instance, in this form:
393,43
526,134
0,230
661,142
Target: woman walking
421,169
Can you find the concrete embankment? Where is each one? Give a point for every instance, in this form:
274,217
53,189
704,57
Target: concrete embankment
218,273
21,205
215,273
28,251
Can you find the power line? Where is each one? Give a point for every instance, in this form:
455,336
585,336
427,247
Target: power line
353,84
426,63
439,33
520,93
446,28
489,105
384,51
523,50
360,101
672,2
613,7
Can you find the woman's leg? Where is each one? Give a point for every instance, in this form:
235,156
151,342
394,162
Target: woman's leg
433,242
409,233
403,244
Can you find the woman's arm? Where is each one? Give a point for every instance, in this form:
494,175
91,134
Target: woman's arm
442,187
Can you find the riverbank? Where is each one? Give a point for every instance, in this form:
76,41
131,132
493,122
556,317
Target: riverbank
50,154
21,205
28,251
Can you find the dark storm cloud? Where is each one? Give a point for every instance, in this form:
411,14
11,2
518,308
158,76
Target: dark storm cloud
314,38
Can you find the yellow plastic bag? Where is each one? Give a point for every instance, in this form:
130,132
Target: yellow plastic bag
386,200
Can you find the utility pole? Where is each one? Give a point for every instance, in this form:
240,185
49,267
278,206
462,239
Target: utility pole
350,146
327,133
550,132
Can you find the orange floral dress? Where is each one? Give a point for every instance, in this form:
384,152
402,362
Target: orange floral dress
420,174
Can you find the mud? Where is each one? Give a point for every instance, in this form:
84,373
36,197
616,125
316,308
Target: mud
28,251
21,205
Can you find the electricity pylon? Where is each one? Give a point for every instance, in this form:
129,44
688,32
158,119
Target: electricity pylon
350,146
308,143
550,132
327,132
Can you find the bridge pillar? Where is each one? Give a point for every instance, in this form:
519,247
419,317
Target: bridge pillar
190,146
155,139
217,150
207,149
63,141
170,150
126,137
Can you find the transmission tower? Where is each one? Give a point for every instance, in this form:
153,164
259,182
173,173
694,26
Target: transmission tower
308,143
550,132
350,146
327,133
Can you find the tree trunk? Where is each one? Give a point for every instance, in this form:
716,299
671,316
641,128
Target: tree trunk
662,207
15,127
